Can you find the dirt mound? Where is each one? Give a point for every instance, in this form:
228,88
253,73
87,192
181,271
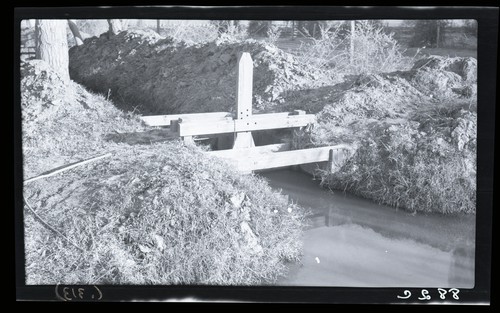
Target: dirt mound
407,126
175,217
389,95
427,163
151,213
141,69
63,121
360,98
466,67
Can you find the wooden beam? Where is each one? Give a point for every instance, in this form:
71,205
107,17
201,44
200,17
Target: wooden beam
330,161
244,86
261,161
270,121
204,127
164,120
244,99
242,153
256,122
188,140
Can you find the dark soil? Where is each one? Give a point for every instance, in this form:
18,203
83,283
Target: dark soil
142,70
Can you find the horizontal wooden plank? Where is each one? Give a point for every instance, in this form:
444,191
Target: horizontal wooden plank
276,115
242,153
164,120
261,161
255,122
205,127
271,121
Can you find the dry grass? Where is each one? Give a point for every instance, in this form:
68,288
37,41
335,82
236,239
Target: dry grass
161,214
415,132
153,213
374,50
191,34
427,164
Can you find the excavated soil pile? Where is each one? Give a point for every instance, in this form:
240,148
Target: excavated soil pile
415,134
364,99
63,122
141,69
151,213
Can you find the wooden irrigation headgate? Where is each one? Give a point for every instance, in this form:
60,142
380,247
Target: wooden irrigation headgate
244,154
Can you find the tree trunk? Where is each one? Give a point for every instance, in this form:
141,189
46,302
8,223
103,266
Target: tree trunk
353,33
115,26
37,31
124,23
438,35
158,26
76,33
52,45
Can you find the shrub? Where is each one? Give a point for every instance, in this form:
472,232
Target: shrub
325,51
273,33
232,29
375,51
258,28
470,27
236,31
192,34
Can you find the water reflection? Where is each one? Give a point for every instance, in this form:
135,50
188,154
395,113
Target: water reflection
364,244
461,273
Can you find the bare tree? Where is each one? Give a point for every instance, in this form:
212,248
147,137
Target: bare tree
52,45
76,32
115,26
353,34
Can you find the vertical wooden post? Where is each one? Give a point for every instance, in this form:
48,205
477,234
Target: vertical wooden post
188,140
244,99
37,34
174,127
438,35
328,217
330,161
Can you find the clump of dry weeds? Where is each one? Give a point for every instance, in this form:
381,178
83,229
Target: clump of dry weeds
428,164
415,132
164,214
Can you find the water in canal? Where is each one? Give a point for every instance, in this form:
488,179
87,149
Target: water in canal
355,242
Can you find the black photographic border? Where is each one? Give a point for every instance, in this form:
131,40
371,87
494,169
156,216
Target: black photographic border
487,18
